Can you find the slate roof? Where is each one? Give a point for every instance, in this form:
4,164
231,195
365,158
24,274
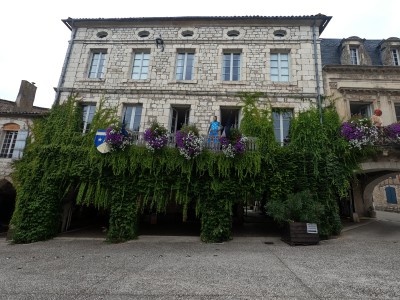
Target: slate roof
10,108
330,51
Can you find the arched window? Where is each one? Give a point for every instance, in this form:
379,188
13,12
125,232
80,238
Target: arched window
391,195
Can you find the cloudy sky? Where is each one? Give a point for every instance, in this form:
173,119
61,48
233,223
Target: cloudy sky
34,40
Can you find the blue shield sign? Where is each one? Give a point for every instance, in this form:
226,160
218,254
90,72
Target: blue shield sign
100,141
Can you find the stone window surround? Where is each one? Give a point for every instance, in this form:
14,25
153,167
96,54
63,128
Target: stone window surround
395,52
268,66
152,35
125,105
281,123
129,74
173,62
96,31
369,103
91,52
354,49
183,29
85,117
243,63
8,126
227,29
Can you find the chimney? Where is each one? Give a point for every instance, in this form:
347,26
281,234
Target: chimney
26,96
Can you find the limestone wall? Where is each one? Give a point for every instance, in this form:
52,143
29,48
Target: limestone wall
379,195
207,91
6,163
375,86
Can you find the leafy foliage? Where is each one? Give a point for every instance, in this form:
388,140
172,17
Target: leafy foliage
61,161
298,207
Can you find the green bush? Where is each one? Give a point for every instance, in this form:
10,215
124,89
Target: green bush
298,207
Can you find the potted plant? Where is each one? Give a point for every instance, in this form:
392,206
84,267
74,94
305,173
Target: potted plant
188,141
233,144
300,213
117,137
156,137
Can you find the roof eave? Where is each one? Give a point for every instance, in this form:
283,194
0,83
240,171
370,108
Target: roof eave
71,22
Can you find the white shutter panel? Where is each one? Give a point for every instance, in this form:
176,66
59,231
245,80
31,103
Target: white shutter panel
20,144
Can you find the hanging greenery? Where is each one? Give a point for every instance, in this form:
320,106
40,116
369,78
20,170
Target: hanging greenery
61,161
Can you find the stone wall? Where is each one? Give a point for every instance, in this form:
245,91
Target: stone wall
207,92
6,163
376,86
379,195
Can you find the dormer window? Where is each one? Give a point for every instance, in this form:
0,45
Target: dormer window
354,59
395,57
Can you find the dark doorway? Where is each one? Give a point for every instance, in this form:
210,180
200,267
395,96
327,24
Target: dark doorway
7,204
82,220
172,222
230,117
179,117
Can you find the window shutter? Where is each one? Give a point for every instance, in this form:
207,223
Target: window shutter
391,195
20,144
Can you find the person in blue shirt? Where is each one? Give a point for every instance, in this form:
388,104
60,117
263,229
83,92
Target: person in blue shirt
213,130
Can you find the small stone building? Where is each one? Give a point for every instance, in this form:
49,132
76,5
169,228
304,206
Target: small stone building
15,122
185,70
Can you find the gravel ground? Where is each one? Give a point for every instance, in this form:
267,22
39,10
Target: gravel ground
363,263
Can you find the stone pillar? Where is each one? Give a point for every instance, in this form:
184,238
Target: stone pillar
359,207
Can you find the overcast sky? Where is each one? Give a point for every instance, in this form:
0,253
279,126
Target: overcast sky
34,40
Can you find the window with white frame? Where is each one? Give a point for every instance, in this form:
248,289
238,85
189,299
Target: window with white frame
140,69
395,57
397,110
131,116
231,66
281,125
361,109
280,67
87,117
8,143
96,69
184,66
354,59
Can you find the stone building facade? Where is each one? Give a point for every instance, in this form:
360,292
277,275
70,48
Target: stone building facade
181,70
360,76
16,119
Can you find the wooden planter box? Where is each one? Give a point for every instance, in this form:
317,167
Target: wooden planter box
298,233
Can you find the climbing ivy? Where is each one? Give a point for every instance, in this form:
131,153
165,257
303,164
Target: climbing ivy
61,161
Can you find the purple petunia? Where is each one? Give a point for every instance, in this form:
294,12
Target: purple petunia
189,144
232,147
156,138
392,132
116,139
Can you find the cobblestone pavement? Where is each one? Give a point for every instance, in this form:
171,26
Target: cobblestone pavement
363,263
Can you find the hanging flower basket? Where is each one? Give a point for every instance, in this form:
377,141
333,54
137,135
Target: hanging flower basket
118,138
392,133
233,144
359,132
156,137
189,143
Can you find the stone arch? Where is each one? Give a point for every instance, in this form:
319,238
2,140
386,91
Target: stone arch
371,174
7,203
369,187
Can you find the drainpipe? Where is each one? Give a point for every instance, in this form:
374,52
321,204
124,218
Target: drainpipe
316,71
66,62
